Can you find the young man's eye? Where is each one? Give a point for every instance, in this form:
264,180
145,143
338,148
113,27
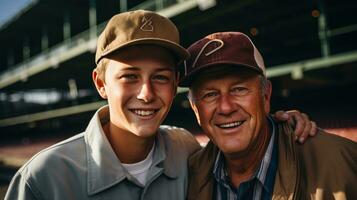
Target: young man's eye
161,78
129,77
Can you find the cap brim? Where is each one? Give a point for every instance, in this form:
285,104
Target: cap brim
187,80
179,52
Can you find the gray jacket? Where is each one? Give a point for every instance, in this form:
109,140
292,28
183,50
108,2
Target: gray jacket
86,167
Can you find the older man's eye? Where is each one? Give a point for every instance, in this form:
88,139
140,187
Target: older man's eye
239,91
210,96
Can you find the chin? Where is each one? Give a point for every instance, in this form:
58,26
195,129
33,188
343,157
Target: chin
230,148
146,132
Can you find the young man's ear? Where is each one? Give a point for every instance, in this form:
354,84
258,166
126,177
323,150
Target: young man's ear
99,84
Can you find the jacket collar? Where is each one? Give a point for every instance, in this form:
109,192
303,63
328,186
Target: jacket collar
287,177
201,181
165,156
105,169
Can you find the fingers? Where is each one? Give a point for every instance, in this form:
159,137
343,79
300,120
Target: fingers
306,129
313,129
281,116
299,121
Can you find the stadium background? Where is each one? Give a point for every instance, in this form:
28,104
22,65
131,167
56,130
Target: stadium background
47,55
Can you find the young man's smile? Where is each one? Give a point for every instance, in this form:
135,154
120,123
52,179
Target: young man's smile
147,113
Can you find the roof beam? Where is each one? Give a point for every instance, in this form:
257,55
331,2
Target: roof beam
312,64
69,49
51,114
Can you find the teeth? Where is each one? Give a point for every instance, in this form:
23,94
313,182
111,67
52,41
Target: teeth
144,112
230,125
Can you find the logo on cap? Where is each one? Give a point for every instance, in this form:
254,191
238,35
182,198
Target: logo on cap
146,24
219,46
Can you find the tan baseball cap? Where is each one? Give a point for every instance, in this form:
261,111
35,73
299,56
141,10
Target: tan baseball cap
139,27
221,49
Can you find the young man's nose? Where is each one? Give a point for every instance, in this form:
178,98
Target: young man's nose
146,92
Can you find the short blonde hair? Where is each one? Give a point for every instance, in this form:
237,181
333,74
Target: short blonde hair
101,68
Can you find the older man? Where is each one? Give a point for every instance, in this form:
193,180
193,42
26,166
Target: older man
250,156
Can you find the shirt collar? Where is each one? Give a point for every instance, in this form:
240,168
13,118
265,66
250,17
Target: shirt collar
104,168
267,168
167,155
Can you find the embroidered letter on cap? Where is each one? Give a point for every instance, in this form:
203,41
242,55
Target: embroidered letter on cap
147,24
221,43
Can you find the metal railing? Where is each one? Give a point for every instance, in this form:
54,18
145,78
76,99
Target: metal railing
82,43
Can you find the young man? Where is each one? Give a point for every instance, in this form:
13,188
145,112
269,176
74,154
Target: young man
124,152
250,156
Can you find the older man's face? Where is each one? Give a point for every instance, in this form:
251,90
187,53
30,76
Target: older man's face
231,109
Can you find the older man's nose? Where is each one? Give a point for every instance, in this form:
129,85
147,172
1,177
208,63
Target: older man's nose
226,104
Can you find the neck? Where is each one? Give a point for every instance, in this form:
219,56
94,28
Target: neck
242,167
128,147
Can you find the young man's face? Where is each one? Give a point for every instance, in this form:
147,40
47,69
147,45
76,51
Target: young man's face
140,85
231,109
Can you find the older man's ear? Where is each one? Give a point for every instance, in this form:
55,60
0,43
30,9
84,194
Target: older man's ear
267,95
195,110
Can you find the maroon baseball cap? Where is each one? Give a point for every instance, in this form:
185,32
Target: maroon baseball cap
221,49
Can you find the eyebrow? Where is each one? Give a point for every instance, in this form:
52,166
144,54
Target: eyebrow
166,69
134,68
131,68
203,89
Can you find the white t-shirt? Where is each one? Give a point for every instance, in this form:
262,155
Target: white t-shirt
140,169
